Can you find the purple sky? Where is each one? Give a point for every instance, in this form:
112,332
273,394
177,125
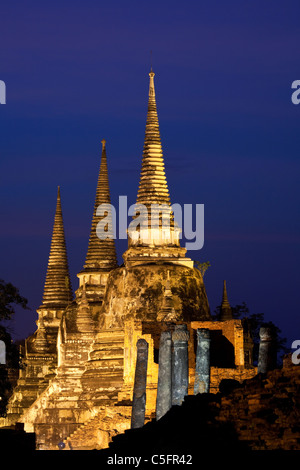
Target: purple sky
78,72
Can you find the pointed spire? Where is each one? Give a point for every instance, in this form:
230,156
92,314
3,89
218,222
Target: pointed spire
226,312
57,290
153,188
101,252
153,226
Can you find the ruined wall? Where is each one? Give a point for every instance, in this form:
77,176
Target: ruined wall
90,399
266,410
261,413
227,352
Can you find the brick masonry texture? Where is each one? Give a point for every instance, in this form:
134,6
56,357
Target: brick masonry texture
262,413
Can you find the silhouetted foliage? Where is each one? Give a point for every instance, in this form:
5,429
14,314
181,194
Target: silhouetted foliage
13,362
254,322
202,267
9,297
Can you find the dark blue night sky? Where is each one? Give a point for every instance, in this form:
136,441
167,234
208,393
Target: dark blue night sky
77,72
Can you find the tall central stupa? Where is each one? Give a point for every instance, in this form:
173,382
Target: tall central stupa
136,290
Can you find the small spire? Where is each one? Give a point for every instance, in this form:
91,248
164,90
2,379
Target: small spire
101,253
57,290
41,342
167,311
226,312
84,320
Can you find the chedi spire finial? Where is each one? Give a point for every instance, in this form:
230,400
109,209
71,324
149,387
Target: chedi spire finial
101,253
57,290
226,312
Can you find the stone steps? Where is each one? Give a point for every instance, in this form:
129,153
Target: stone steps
80,393
101,383
97,432
76,439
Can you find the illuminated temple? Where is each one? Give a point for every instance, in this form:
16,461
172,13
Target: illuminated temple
76,389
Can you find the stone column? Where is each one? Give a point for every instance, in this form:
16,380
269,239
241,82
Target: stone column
140,382
266,350
180,364
202,371
164,385
2,352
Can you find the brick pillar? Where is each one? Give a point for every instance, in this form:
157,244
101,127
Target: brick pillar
266,359
140,382
164,385
180,364
202,371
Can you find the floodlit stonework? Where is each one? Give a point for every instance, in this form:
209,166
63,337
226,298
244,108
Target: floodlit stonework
77,388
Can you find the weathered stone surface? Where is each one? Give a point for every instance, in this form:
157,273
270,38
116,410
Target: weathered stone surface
265,410
180,364
261,413
137,293
140,384
164,385
2,352
84,320
98,431
202,371
103,375
41,343
266,359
